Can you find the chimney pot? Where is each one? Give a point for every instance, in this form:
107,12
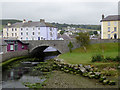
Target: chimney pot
24,20
103,16
42,20
9,24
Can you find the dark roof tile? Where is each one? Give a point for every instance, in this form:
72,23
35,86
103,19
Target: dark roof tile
111,18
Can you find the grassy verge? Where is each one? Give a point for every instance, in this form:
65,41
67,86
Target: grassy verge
5,63
79,56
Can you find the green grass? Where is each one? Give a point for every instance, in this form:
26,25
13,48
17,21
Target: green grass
5,63
79,56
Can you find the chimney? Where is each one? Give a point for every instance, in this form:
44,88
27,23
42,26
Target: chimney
30,21
24,20
9,24
42,20
103,16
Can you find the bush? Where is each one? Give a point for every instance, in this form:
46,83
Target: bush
117,59
109,59
97,58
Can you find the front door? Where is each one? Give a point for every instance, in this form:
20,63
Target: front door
16,46
38,38
115,36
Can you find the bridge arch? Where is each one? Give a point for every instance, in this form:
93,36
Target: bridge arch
44,46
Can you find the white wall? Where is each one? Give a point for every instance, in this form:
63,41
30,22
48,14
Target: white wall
44,33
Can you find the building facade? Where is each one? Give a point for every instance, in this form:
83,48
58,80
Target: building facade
30,31
110,27
16,45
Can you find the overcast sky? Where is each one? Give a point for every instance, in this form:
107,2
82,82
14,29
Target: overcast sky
71,12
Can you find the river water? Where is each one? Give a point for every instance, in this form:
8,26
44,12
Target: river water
15,77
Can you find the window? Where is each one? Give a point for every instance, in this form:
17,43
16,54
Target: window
115,29
26,28
12,34
108,29
11,47
26,33
15,34
7,34
51,34
32,38
12,29
26,38
38,28
33,28
50,29
21,33
21,29
108,36
33,33
38,33
41,38
7,29
21,38
115,23
108,23
22,47
15,29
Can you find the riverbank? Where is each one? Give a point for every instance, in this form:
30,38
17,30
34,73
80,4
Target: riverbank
59,79
79,56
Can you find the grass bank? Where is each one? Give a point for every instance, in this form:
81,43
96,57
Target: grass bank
79,56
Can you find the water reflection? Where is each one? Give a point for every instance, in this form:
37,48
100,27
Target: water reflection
13,78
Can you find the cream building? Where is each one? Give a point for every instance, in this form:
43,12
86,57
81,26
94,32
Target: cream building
40,30
110,27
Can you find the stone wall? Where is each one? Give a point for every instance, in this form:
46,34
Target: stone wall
9,55
62,45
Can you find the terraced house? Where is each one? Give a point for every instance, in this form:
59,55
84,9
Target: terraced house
30,30
110,27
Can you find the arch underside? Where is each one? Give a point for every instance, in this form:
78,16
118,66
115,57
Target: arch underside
41,48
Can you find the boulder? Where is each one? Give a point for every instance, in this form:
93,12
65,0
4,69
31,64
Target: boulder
87,67
105,82
82,69
80,65
102,78
91,76
111,82
97,75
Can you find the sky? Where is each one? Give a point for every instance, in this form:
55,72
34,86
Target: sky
59,11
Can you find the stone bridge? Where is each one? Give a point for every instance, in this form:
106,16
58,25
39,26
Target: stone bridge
41,45
60,45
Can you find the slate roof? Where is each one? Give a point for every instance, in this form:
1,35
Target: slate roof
64,36
111,18
31,24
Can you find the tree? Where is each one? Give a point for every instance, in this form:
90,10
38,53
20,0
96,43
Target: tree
70,45
83,39
95,32
62,32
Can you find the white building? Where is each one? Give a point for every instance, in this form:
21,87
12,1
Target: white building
30,31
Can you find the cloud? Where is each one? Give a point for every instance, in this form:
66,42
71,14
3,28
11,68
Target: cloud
62,12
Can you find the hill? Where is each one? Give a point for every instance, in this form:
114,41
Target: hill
5,21
58,25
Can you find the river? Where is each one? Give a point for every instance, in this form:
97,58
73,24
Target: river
16,76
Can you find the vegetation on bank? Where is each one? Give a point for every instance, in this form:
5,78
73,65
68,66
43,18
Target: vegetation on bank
79,56
5,63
